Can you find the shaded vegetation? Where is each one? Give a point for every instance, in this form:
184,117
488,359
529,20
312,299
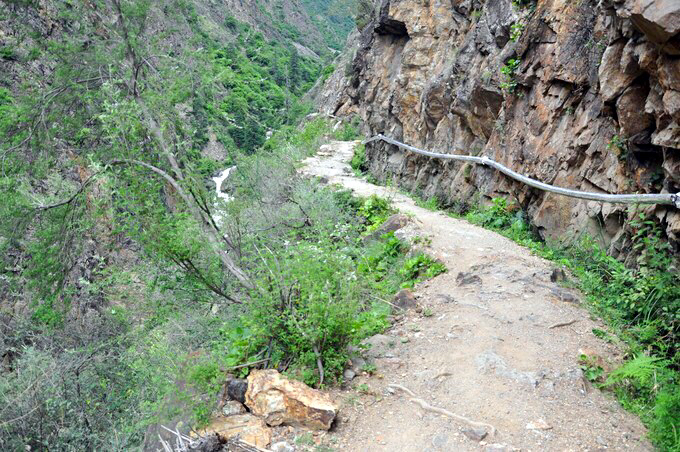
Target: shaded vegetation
333,18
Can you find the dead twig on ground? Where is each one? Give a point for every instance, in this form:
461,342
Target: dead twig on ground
443,374
427,407
387,302
557,325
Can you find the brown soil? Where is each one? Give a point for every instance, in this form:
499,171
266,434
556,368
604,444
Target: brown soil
484,350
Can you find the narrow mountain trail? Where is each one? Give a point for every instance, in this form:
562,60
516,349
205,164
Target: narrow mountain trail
495,341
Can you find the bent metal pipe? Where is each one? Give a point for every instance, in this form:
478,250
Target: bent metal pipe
644,198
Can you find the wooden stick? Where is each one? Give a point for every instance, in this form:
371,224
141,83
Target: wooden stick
427,407
557,325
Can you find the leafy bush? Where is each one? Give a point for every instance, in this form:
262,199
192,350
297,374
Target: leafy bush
664,428
516,30
382,256
508,70
431,203
309,313
496,216
7,53
592,370
359,163
419,268
375,210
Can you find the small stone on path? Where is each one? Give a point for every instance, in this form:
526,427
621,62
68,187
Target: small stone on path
538,424
464,279
475,434
439,441
282,446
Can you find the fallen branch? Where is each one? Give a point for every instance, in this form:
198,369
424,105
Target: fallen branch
319,364
237,444
387,302
241,366
427,407
557,325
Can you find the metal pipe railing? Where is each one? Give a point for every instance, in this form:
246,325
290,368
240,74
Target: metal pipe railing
645,198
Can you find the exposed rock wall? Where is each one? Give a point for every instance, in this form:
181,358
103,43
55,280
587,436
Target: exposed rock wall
596,104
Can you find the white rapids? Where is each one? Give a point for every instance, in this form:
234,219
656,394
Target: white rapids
218,216
219,179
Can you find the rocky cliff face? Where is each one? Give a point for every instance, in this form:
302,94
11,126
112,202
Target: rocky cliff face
582,94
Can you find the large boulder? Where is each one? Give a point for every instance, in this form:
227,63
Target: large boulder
280,401
246,427
659,20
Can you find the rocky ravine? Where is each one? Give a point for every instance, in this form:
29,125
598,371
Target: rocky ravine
596,104
489,344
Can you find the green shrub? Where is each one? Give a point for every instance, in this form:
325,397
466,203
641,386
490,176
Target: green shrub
326,73
431,203
516,30
46,314
375,210
381,257
498,215
7,53
420,268
372,321
310,312
508,71
359,163
205,376
664,426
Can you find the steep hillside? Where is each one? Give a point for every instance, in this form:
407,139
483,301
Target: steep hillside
577,94
335,19
123,274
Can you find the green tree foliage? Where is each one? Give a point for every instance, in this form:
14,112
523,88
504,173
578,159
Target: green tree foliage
136,301
364,14
333,18
110,254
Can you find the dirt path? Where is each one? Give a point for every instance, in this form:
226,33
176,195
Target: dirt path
485,350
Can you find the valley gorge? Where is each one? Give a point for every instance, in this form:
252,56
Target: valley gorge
203,249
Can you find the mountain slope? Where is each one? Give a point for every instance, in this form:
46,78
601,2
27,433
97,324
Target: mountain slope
114,115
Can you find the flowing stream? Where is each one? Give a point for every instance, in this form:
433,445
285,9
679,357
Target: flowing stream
219,180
